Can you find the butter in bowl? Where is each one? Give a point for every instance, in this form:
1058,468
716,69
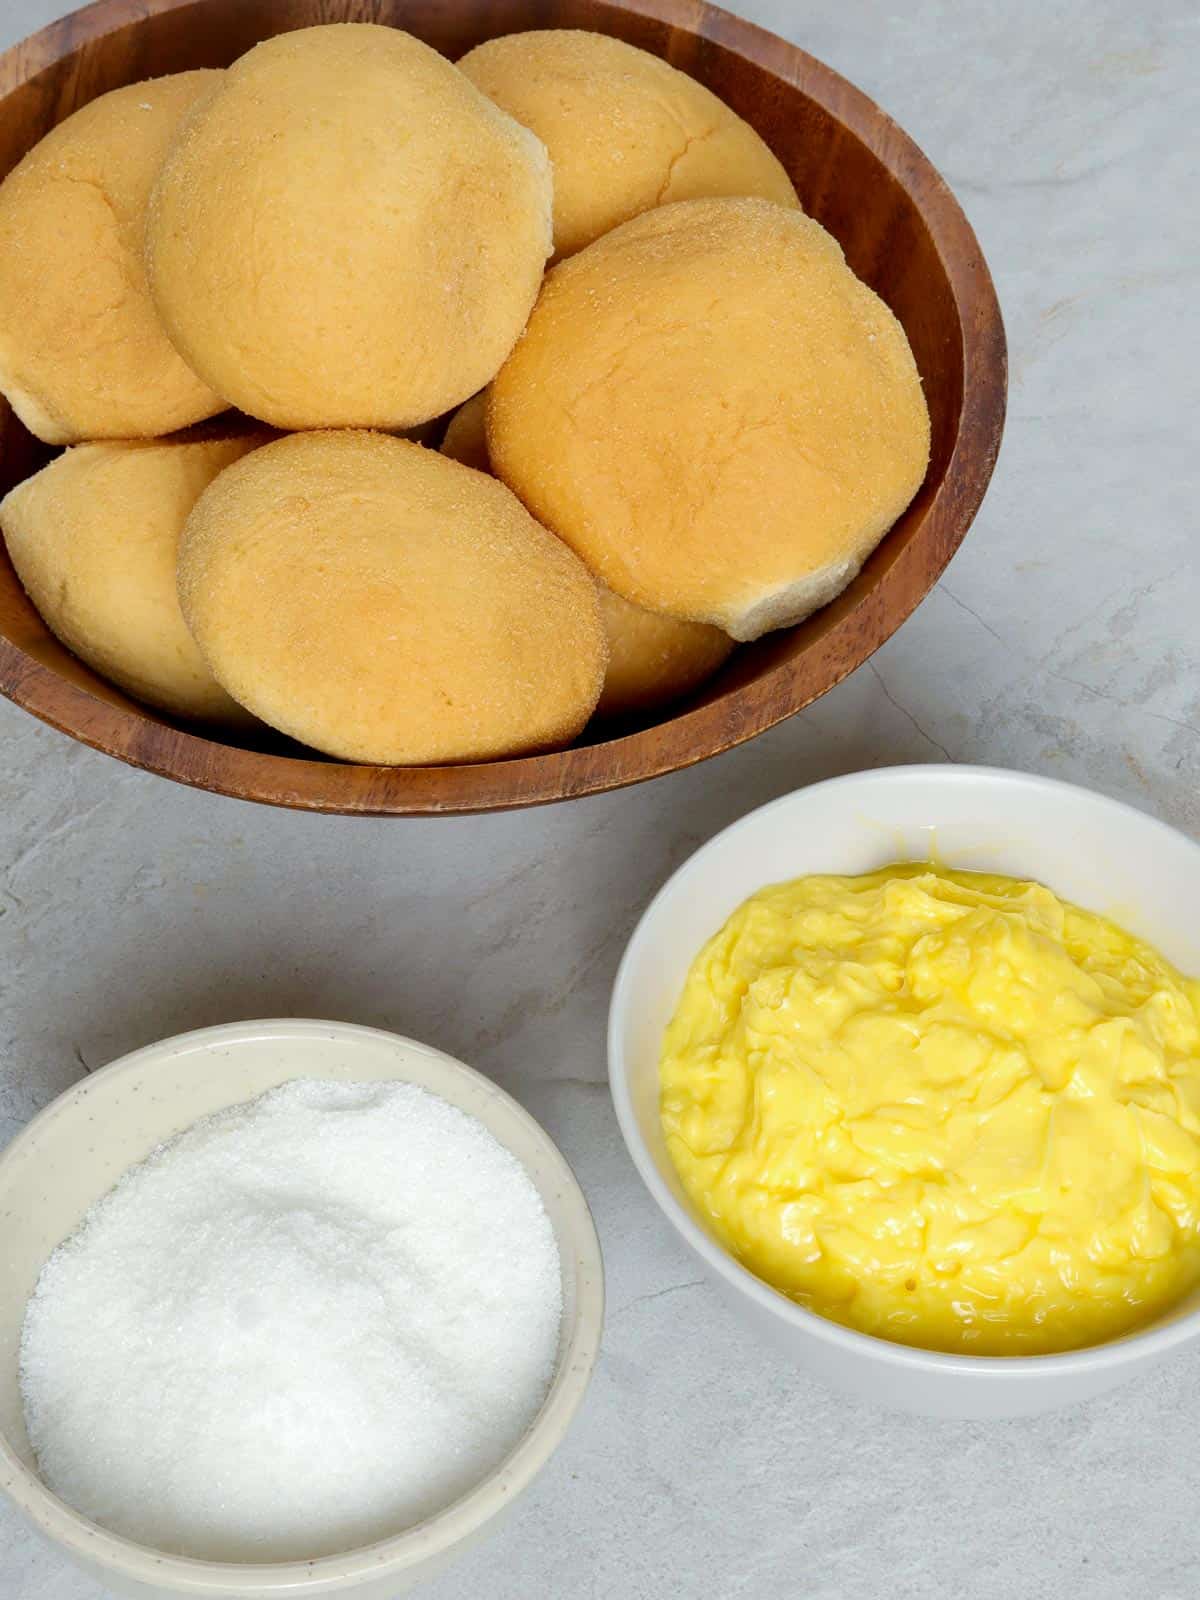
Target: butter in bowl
911,1060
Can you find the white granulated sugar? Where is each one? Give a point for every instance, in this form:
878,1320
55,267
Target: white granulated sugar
302,1325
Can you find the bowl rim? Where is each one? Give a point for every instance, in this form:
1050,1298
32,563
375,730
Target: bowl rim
843,637
1138,1345
436,1536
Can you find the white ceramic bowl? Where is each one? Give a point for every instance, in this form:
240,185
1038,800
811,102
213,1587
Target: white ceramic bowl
81,1144
1094,851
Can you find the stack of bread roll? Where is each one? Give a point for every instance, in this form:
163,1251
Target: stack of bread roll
238,298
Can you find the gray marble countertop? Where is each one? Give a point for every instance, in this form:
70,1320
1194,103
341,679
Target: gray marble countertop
1064,640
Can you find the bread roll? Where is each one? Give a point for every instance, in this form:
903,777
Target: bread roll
384,604
348,233
82,352
625,130
714,412
465,438
652,659
94,536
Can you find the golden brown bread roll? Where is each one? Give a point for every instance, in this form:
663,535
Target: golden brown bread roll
382,603
94,536
465,439
652,659
82,352
625,130
714,412
347,233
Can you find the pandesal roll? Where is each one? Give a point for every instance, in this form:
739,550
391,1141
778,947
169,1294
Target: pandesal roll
465,438
347,233
625,130
652,659
714,412
382,603
83,354
94,538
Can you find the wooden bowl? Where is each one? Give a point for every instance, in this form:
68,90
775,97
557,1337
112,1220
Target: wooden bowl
855,171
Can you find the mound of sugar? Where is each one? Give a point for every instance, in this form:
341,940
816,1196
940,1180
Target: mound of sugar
302,1325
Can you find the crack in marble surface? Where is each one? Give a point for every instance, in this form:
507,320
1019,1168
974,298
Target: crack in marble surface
905,712
971,612
1127,705
657,1294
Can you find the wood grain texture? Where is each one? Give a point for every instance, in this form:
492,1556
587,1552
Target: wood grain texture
855,171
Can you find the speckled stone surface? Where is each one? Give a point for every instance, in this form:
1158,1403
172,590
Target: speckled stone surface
1064,640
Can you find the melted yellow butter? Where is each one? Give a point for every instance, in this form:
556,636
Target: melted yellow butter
942,1107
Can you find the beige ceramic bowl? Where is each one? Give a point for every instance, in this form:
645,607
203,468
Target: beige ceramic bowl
81,1144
